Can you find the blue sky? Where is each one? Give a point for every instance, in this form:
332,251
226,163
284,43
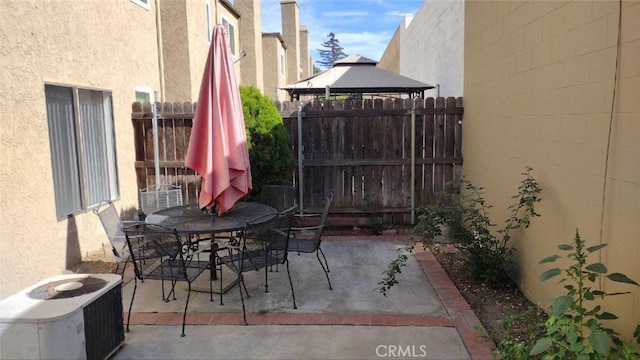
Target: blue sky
363,27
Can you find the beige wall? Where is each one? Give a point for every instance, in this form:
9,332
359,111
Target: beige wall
390,59
291,36
108,45
305,57
251,39
538,85
273,47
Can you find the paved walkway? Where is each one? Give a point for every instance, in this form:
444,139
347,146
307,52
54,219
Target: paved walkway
423,317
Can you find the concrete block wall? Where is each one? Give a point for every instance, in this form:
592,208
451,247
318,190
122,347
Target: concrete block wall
539,84
432,46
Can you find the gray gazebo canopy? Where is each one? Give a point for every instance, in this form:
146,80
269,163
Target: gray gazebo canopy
356,74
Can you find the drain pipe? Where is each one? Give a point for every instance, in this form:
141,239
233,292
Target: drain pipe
159,44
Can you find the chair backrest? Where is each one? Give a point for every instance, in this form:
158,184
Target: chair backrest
157,243
158,197
317,236
112,225
280,197
272,234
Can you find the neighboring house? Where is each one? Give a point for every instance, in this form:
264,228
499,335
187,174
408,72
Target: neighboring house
70,74
429,46
275,57
555,86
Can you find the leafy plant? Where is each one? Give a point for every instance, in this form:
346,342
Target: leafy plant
574,330
462,207
395,268
375,224
267,140
466,212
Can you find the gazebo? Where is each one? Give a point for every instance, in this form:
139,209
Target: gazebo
356,74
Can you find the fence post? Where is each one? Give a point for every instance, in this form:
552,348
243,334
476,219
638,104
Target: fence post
413,163
300,167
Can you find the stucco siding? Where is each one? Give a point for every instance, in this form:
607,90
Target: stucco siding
102,45
432,46
538,91
390,59
272,50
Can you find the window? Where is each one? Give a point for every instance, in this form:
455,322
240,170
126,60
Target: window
142,3
83,154
231,35
208,10
282,65
143,94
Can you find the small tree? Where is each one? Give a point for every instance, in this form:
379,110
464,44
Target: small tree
332,52
267,140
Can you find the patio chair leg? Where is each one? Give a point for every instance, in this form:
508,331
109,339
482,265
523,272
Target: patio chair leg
244,314
135,286
325,259
293,294
325,270
186,305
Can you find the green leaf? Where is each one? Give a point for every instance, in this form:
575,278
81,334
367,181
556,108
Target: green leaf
565,247
595,248
549,259
600,342
597,267
606,316
561,304
549,274
618,277
541,346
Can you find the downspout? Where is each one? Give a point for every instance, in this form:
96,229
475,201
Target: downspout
300,165
160,52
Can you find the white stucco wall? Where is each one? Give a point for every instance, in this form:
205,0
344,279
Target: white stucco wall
106,45
432,46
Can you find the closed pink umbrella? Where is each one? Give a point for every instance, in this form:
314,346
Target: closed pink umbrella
218,144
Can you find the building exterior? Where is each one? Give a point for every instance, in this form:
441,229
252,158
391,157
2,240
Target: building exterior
428,47
555,86
70,74
275,57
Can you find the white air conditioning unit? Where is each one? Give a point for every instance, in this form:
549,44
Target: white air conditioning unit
76,316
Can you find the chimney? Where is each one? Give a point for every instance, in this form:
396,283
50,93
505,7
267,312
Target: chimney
305,58
291,36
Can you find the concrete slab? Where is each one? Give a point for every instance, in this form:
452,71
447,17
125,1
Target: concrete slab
424,316
293,342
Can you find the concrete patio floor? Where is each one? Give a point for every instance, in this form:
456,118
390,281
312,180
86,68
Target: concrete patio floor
422,317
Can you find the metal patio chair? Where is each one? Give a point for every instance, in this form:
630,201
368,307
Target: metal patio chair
167,256
115,229
262,243
307,239
158,197
280,197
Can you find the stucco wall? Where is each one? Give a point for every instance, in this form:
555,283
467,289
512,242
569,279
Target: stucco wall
390,59
272,48
538,91
251,39
96,44
432,46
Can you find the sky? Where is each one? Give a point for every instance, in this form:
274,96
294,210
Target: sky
362,27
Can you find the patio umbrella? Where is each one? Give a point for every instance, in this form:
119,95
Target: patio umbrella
218,145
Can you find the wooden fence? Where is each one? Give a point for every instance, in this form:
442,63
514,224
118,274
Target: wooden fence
360,150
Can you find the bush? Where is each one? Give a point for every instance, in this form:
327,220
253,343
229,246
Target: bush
267,140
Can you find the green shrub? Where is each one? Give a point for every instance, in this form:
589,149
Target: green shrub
574,329
267,140
489,256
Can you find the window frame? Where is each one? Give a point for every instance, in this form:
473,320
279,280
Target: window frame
75,140
209,27
231,37
143,89
145,4
283,64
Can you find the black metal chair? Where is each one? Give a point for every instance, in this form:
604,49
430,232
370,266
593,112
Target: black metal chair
308,239
163,255
262,243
